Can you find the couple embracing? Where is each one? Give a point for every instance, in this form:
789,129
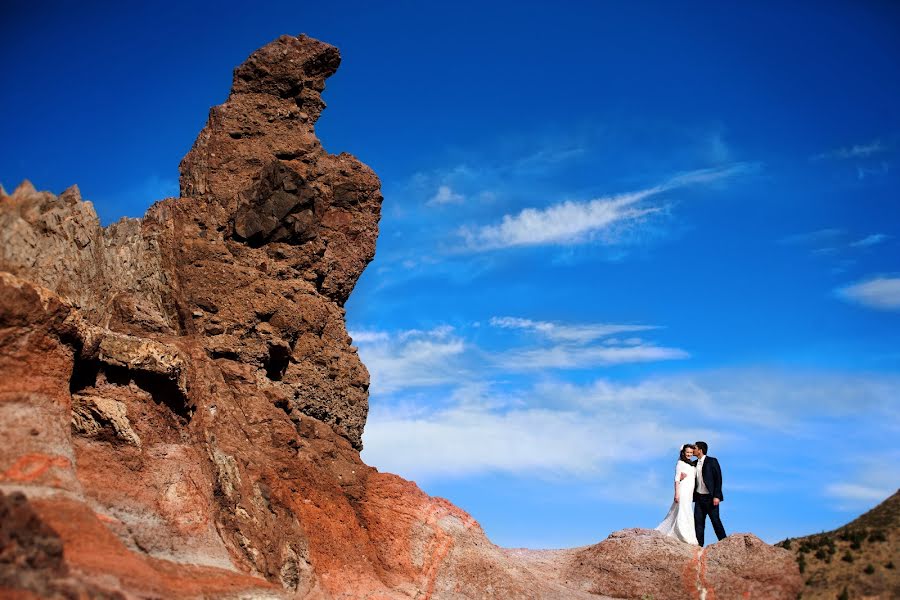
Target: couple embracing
700,481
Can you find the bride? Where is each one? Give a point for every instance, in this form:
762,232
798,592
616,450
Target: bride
679,523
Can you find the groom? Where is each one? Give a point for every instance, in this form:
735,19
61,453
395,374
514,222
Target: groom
707,493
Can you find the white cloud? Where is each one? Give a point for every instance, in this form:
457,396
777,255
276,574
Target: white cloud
854,151
573,222
367,337
418,358
445,195
768,397
567,333
566,356
559,428
881,293
412,358
467,440
876,475
777,398
565,223
870,240
441,332
855,491
573,349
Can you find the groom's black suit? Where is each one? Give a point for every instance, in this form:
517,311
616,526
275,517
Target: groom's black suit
711,473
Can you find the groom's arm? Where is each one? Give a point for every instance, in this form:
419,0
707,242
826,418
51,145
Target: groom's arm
716,492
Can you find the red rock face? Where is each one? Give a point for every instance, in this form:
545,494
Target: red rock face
181,408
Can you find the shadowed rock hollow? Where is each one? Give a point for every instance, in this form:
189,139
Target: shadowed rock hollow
182,408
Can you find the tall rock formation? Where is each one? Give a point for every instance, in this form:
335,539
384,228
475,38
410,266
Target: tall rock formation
181,408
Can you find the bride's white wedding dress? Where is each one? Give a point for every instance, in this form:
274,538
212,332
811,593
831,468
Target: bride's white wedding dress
679,523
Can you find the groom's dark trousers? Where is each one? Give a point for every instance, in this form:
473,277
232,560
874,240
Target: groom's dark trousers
703,503
703,506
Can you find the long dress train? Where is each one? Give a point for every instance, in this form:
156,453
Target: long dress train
679,522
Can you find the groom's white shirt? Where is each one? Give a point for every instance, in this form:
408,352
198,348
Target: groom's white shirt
701,485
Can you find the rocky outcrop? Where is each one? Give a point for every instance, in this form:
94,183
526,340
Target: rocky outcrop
181,408
642,563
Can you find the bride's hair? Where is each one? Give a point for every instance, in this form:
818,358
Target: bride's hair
681,456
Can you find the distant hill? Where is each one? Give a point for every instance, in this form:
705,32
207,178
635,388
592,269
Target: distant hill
857,561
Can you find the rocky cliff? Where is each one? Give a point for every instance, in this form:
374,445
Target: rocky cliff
181,408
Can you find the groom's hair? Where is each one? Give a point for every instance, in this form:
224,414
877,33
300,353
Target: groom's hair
703,447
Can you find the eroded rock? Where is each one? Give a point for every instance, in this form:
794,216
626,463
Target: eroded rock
183,410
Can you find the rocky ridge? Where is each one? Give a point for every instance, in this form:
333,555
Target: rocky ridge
181,407
858,560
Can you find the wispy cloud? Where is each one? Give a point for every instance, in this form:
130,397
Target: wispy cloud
368,337
875,477
474,436
574,346
548,157
480,177
763,396
854,151
565,223
411,358
566,356
559,428
575,222
880,293
835,245
415,358
568,333
856,491
880,169
445,195
870,240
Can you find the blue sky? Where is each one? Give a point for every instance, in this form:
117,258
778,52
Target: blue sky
607,230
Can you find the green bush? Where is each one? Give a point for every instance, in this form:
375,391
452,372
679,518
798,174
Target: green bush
854,537
869,570
801,562
890,565
877,536
821,554
786,544
845,595
847,557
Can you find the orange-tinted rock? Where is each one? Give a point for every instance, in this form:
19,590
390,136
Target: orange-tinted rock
181,406
641,563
